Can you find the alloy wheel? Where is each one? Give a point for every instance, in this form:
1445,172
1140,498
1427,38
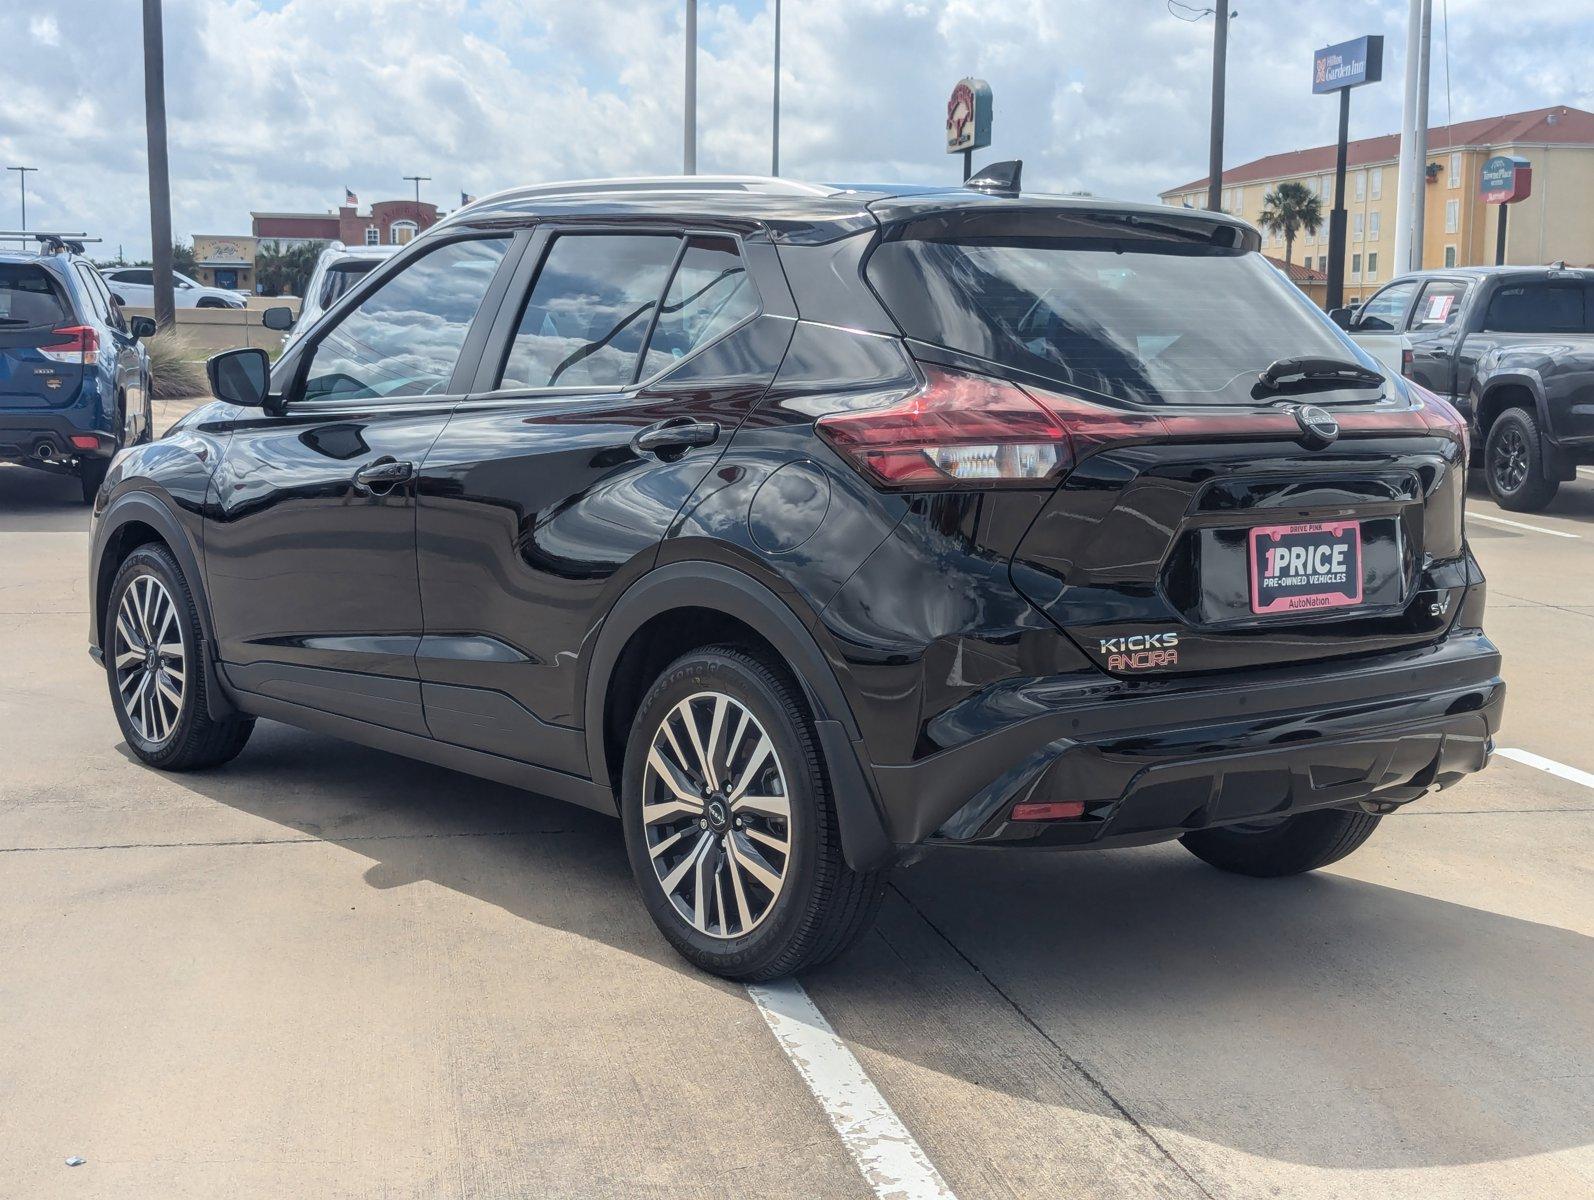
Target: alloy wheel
151,668
1510,460
716,815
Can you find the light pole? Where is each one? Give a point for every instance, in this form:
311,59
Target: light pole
689,116
22,178
774,139
1220,57
160,183
418,180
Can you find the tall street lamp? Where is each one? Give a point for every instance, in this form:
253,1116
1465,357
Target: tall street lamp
22,178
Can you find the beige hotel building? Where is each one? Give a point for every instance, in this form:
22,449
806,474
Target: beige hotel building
1555,223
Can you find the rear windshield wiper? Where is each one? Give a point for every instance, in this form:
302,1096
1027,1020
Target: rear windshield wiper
1289,375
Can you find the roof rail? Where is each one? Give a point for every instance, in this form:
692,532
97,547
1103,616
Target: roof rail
761,185
51,242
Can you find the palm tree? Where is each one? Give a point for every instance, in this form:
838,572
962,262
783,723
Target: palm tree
287,268
1288,209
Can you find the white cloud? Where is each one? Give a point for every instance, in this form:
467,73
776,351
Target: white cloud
280,104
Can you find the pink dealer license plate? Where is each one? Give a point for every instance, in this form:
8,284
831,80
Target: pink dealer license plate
1299,568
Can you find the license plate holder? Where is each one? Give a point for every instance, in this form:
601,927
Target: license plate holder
1305,567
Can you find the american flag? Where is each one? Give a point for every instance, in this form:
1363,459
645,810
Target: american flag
349,197
466,198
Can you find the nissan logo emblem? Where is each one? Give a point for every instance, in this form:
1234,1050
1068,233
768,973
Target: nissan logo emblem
1318,427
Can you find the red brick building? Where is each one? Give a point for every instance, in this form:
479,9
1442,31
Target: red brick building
388,223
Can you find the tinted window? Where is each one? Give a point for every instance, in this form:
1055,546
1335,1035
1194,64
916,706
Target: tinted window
1145,315
589,310
90,293
340,278
708,295
143,275
1440,304
1386,312
29,297
404,339
1537,308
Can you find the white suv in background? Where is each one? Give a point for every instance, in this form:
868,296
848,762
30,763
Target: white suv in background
337,269
135,286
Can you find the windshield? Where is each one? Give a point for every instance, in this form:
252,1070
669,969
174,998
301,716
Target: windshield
27,297
1169,320
340,278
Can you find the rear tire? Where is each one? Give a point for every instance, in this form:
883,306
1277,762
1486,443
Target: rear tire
159,685
1292,846
1513,459
762,913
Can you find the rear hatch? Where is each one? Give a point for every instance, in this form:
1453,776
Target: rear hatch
42,348
1202,517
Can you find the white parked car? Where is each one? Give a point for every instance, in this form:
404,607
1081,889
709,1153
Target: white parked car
135,286
337,269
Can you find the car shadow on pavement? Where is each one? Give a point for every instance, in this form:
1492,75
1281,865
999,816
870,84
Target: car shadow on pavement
1573,502
36,501
1322,1021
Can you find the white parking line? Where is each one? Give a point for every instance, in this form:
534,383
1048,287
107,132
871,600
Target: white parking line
1586,778
891,1161
1473,515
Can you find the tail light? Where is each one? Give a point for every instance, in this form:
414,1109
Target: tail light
955,430
1443,418
73,344
1407,358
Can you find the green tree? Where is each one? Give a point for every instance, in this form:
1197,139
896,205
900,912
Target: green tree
285,270
1288,209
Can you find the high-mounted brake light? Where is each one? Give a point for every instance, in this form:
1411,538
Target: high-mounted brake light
73,344
956,430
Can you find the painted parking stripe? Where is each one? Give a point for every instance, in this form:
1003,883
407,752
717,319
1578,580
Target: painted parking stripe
892,1163
1561,770
1473,515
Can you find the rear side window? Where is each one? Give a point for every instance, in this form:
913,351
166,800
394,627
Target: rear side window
139,275
709,294
1149,316
589,311
1537,308
404,339
340,278
1440,304
28,296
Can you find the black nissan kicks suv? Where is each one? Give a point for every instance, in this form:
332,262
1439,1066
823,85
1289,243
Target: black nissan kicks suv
804,528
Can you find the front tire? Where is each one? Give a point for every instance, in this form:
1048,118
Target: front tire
729,822
1514,463
152,664
1290,846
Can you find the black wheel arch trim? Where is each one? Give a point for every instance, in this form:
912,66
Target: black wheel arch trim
148,510
697,584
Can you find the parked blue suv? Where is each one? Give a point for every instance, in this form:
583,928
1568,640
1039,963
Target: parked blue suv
74,381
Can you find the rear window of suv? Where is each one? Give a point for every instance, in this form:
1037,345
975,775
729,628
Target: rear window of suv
1150,313
28,296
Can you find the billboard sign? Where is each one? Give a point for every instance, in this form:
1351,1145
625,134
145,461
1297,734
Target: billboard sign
968,116
1348,64
1505,179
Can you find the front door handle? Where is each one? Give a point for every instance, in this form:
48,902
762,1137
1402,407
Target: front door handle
382,476
675,435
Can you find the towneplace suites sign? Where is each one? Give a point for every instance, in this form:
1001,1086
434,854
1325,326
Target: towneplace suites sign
1505,179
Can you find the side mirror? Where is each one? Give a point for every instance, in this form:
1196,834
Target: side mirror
1340,317
142,327
279,317
241,377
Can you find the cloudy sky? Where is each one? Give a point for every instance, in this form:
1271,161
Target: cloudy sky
280,104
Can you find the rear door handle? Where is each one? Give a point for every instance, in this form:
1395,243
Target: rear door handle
674,435
382,476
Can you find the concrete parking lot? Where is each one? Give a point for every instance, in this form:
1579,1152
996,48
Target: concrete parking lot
327,972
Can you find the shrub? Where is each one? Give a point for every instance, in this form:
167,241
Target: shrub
174,373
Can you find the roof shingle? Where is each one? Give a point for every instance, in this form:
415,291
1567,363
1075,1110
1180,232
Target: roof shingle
1559,125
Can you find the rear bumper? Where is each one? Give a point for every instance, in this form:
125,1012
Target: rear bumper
1150,764
22,434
